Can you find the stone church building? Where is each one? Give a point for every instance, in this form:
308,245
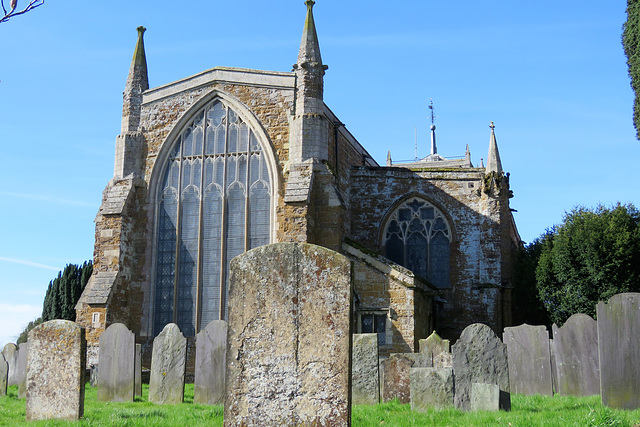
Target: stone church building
230,159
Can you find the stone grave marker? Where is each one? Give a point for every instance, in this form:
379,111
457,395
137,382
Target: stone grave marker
395,378
479,356
365,382
289,337
168,366
10,353
116,364
618,350
575,347
138,371
529,359
439,350
21,369
485,397
211,350
431,388
4,375
56,368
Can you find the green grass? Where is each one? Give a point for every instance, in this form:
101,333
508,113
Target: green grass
526,411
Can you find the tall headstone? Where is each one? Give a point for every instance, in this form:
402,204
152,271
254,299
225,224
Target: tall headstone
289,337
211,350
575,348
365,378
21,369
479,356
116,367
56,369
138,371
618,350
168,366
431,388
395,378
4,375
529,359
10,353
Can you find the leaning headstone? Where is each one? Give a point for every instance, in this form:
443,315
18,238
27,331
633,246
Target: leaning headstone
485,397
480,357
10,353
56,369
431,388
211,350
168,366
288,340
4,375
618,350
138,371
365,383
575,347
116,367
21,369
529,359
395,378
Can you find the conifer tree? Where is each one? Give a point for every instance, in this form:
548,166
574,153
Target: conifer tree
64,291
631,44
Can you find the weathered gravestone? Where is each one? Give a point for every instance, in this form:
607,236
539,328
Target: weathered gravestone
618,350
431,388
289,338
168,366
138,371
365,379
485,397
10,353
21,369
575,348
480,357
438,349
4,375
116,367
395,378
529,359
56,369
211,350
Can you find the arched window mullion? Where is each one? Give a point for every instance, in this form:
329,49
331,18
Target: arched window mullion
200,222
176,276
223,224
247,191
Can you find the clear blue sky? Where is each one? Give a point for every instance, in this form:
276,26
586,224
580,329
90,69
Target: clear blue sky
550,74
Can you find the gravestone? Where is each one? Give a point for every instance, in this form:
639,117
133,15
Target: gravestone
365,382
618,350
575,347
116,367
438,349
93,376
4,375
395,378
56,369
10,353
529,359
137,382
168,366
431,388
485,397
21,369
289,337
211,350
480,357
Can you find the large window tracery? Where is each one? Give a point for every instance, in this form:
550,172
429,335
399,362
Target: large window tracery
417,236
214,203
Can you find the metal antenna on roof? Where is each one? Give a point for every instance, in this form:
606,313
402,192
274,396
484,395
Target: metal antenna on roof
434,150
415,133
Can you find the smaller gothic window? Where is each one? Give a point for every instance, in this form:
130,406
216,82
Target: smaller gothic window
417,236
374,323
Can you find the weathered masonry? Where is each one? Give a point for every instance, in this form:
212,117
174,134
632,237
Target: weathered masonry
231,159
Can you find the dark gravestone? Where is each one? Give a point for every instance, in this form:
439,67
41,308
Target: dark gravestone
10,353
480,357
395,381
168,366
116,367
431,388
56,369
138,371
529,360
21,369
618,350
211,350
289,337
4,375
575,347
365,383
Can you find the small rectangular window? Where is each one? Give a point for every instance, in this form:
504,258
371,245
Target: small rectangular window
95,320
374,323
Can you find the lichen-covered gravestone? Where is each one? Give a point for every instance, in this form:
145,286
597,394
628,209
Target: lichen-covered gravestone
10,353
529,359
211,350
138,371
56,368
485,397
116,367
618,350
438,349
21,369
431,388
479,356
168,366
4,375
289,337
575,348
395,378
365,383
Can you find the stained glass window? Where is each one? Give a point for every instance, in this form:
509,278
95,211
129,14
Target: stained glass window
417,236
214,203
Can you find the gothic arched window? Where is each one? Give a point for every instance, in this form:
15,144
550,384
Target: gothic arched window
417,236
213,203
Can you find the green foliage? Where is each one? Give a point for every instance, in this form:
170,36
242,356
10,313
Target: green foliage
64,291
591,256
631,44
24,335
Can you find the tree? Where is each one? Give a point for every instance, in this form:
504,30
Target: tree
591,256
631,44
64,291
24,335
14,11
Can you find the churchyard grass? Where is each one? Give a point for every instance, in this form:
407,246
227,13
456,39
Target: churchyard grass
526,411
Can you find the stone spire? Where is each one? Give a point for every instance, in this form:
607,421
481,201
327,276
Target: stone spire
309,67
137,83
493,159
